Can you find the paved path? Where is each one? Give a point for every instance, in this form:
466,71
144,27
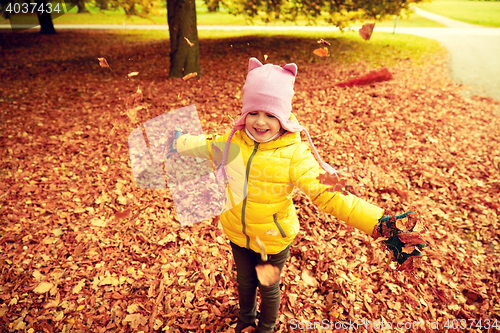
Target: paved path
474,50
474,54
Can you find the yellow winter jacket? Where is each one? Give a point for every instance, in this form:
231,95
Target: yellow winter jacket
262,192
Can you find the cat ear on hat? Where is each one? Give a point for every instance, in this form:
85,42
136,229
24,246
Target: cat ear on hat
291,67
254,63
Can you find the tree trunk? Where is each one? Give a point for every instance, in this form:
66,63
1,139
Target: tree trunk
81,7
184,59
45,20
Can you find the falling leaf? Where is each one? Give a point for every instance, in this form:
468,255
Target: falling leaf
187,40
321,52
337,185
190,75
366,30
324,42
265,57
133,74
43,287
272,232
267,274
103,63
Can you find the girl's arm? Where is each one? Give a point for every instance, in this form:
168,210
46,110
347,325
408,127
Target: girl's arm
304,171
201,146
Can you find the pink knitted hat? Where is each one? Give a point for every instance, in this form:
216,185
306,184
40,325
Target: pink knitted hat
269,88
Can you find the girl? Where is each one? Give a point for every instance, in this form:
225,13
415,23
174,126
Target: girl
275,161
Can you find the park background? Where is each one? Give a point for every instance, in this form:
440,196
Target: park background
82,248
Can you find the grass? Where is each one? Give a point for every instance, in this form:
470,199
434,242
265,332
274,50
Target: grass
485,13
383,49
96,16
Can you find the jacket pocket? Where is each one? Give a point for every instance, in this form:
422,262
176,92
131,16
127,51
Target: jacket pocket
282,232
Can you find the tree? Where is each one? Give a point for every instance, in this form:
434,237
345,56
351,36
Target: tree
81,5
44,18
184,47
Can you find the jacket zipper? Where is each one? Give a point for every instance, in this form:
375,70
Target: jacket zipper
282,232
245,190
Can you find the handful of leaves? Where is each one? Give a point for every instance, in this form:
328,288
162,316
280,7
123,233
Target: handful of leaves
403,235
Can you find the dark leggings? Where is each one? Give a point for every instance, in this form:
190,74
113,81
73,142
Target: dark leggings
246,260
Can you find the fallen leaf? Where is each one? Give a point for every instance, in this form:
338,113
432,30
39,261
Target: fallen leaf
133,74
372,77
123,214
43,287
308,279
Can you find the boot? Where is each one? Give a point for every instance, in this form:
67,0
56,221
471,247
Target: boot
241,325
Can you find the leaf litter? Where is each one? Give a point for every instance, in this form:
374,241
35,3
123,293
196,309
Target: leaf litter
119,260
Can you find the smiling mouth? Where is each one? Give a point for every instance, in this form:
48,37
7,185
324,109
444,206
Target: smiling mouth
260,131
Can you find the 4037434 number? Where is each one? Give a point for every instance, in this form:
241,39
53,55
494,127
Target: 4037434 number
469,324
32,8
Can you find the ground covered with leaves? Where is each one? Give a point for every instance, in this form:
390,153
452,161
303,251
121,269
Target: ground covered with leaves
82,248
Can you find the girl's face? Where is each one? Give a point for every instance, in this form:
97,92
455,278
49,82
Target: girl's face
262,125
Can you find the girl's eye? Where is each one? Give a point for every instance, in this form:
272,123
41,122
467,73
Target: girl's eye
270,116
252,113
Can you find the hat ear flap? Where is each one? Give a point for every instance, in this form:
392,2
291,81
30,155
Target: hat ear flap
254,63
292,68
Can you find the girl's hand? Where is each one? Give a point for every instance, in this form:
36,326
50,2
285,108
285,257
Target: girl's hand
171,144
403,237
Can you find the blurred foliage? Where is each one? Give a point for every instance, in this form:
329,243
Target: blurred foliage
335,12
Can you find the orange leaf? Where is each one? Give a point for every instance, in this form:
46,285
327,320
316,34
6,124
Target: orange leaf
189,42
372,77
411,239
337,184
308,279
190,75
122,215
267,274
366,31
103,62
321,52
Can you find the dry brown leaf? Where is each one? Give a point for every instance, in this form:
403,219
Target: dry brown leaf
267,274
309,280
103,63
366,30
43,287
190,75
